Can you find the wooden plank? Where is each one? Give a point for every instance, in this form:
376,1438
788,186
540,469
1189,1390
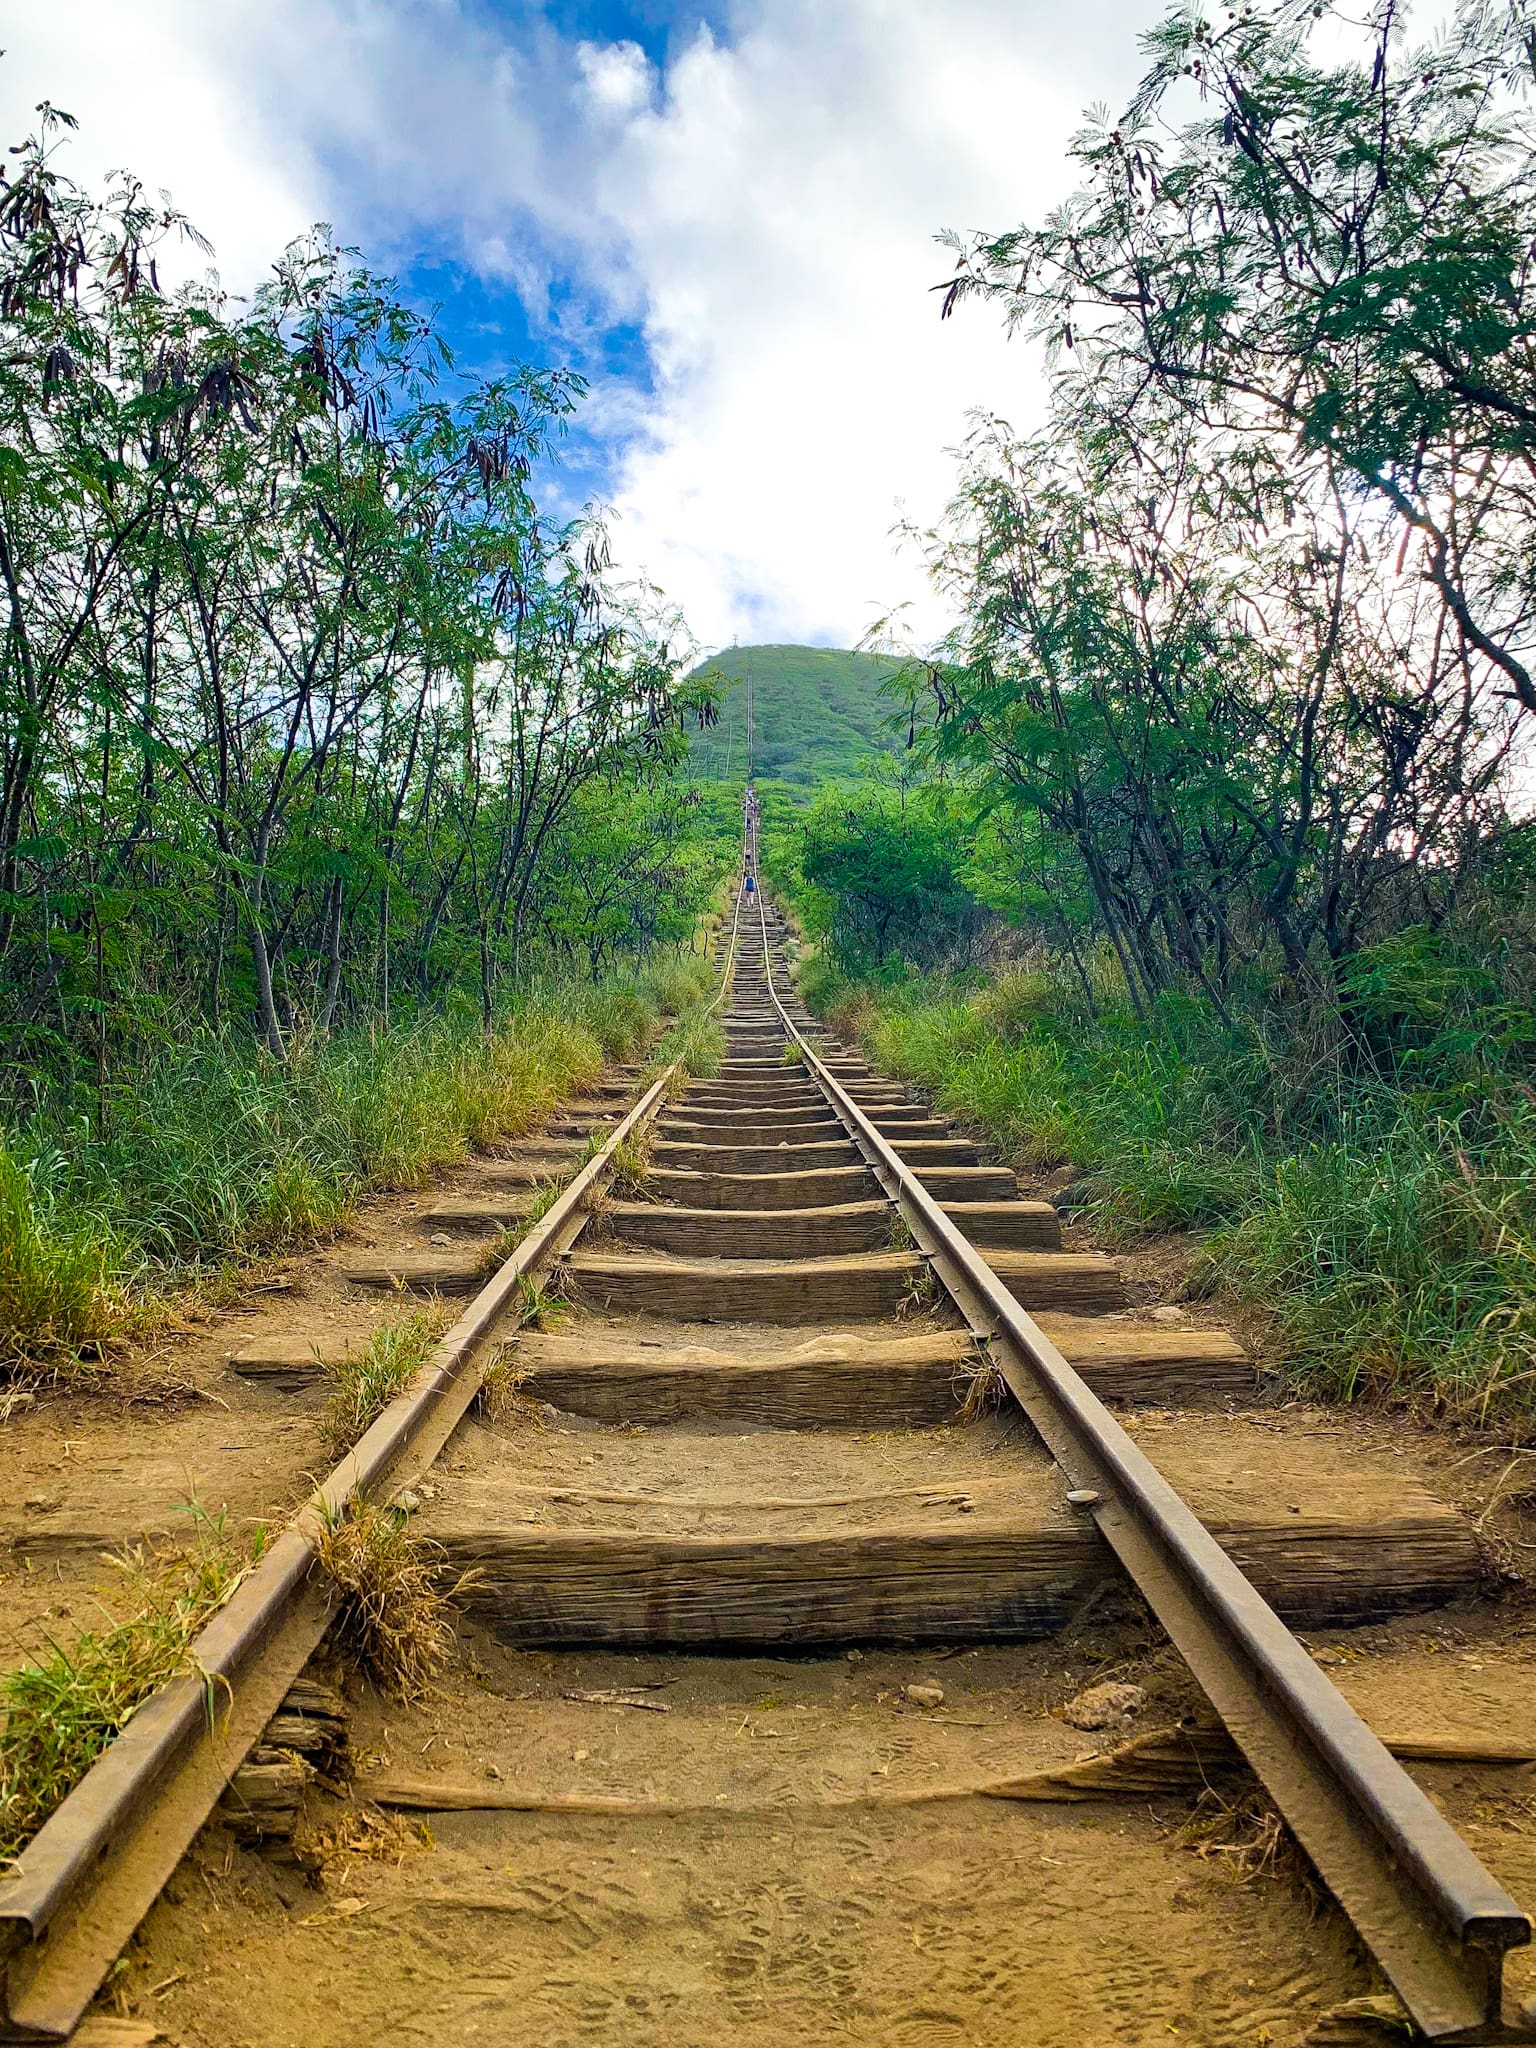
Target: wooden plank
755,1233
821,1187
753,1131
973,1579
861,1287
419,1273
781,1158
1016,1226
969,1183
1073,1283
845,1381
474,1217
936,1151
294,1360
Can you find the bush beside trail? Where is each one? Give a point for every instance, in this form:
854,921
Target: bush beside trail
214,1151
1385,1223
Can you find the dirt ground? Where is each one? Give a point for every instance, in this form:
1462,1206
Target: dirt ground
768,1885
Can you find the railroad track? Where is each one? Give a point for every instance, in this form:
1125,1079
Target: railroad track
757,1456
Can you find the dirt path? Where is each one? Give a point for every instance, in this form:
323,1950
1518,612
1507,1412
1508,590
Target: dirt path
759,1622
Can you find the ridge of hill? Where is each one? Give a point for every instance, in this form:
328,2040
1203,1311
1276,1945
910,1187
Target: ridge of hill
818,714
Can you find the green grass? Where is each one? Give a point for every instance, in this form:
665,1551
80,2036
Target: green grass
695,1042
213,1152
1387,1227
54,1296
364,1383
59,1714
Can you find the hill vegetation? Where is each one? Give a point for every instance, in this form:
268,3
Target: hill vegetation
341,794
820,714
1224,754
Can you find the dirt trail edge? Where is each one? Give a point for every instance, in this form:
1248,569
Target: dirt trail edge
795,1705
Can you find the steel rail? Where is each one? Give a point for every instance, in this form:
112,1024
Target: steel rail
76,1893
1437,1922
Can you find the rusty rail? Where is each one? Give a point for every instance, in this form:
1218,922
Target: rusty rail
1436,1921
91,1873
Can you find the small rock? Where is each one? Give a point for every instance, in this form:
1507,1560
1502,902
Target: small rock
38,1502
1167,1313
407,1502
1083,1497
491,1771
927,1694
439,1237
855,1656
1111,1705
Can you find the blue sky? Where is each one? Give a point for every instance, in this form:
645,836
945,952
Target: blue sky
722,214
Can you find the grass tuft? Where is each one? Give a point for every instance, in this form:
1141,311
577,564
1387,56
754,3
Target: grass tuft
365,1382
58,1715
696,1043
53,1290
394,1618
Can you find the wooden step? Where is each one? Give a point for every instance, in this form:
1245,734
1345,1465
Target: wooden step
472,1218
858,1288
708,1117
528,1169
701,1188
419,1273
848,1289
937,1151
822,1187
789,1086
752,1131
756,1233
969,1183
854,1381
783,1157
1069,1283
993,1554
1017,1226
287,1361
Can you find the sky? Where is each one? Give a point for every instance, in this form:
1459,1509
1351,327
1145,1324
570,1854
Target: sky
724,214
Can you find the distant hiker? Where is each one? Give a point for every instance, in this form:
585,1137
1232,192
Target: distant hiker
751,886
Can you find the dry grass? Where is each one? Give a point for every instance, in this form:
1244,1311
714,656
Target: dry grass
498,1398
395,1618
981,1386
1241,1835
363,1834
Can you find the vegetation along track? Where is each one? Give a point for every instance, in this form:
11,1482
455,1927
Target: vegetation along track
681,1785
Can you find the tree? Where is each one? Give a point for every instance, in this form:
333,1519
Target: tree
889,869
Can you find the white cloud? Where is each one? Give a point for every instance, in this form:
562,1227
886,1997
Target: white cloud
617,76
765,207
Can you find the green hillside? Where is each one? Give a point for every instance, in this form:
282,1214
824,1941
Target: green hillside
819,714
